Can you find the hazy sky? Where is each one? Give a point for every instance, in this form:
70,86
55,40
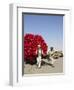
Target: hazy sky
49,26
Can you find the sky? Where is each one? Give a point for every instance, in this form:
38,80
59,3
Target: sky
50,27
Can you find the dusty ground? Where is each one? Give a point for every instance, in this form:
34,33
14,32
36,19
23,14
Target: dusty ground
32,69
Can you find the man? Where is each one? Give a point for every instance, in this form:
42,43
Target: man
51,55
39,56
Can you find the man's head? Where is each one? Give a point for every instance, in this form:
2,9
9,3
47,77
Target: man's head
39,46
51,48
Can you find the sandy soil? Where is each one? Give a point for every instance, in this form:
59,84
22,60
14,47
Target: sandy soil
32,69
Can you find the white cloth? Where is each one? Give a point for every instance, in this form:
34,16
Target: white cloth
39,58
